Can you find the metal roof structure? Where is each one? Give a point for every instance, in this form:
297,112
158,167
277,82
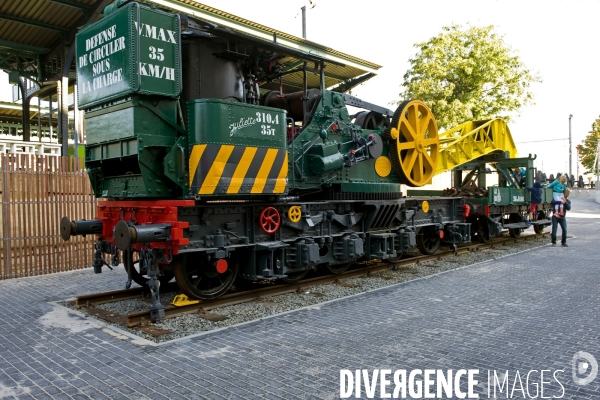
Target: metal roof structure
13,113
35,36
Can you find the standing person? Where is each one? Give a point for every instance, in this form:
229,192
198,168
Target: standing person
536,199
558,188
562,221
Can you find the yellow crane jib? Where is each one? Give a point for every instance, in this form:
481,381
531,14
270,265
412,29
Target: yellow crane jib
471,140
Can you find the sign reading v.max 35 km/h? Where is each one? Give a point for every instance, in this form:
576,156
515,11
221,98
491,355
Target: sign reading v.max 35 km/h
134,49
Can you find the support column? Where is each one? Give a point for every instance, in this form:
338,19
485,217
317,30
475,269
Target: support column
64,101
51,133
39,118
25,122
75,128
81,127
456,178
63,114
58,110
25,118
481,179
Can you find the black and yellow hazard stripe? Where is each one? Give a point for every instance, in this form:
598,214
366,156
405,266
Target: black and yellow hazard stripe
227,169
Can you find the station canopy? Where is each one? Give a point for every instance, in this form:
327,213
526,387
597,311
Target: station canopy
35,36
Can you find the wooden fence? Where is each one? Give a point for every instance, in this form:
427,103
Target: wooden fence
35,193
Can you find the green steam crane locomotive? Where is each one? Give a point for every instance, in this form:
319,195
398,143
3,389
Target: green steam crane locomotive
217,155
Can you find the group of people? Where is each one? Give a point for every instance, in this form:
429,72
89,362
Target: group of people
560,194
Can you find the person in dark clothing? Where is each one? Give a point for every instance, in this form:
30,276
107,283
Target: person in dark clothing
562,221
536,199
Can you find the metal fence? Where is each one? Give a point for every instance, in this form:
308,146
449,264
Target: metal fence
35,193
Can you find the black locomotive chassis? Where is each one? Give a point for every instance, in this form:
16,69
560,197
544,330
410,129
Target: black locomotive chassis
514,214
328,233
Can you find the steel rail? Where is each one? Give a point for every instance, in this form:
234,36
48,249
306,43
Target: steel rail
171,311
89,300
108,297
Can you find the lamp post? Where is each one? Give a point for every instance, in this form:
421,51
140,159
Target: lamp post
596,167
303,22
311,4
577,164
570,171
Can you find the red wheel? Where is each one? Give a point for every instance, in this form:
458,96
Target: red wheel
269,220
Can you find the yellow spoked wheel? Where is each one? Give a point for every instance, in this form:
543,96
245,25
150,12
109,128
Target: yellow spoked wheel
414,143
295,213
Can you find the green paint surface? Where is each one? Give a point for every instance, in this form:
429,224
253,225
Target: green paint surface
132,50
228,122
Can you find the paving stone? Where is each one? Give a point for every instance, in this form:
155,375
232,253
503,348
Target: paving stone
80,397
42,396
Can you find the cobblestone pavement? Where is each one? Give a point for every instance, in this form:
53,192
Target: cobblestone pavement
529,311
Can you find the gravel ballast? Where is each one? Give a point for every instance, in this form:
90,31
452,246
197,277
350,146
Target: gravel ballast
192,324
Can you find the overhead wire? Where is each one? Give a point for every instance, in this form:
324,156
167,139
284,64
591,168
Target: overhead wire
546,140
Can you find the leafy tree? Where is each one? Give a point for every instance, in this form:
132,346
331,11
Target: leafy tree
468,74
587,149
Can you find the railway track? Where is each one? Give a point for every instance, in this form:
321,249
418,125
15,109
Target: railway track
137,319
